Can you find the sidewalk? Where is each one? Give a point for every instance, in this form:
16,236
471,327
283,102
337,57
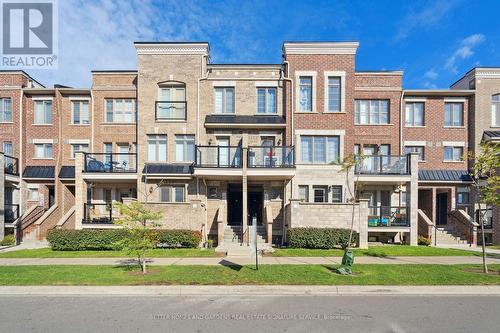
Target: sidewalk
235,261
468,248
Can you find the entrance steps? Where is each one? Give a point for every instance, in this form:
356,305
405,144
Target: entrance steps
233,246
448,235
232,235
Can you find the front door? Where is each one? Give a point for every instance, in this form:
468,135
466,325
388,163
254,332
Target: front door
255,205
52,196
234,204
441,208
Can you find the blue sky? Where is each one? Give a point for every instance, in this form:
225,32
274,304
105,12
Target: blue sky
434,42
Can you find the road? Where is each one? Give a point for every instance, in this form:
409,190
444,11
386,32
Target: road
239,314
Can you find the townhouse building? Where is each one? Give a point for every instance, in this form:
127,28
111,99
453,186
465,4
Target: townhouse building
223,148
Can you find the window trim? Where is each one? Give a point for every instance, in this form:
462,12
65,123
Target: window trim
157,151
185,145
171,188
134,111
223,88
73,111
2,111
408,103
342,76
306,199
44,144
266,107
341,193
322,188
326,137
452,102
453,147
298,75
417,146
43,101
379,100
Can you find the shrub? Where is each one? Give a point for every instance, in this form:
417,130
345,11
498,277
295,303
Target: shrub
8,240
319,238
423,241
179,238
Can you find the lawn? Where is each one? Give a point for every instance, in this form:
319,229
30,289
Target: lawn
247,275
156,253
376,251
494,247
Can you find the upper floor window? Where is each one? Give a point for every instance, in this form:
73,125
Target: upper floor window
305,94
79,148
495,110
120,110
224,100
266,100
453,153
334,94
184,148
371,112
8,148
43,112
416,149
414,114
43,150
319,149
453,114
172,103
80,111
157,148
5,110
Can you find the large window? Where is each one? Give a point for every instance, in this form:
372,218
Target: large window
305,94
184,148
453,153
120,110
453,114
172,104
43,112
5,110
414,114
319,149
157,148
495,110
224,100
371,112
43,150
334,94
80,112
266,100
416,149
304,193
172,194
79,148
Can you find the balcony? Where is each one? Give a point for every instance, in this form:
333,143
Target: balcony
387,217
383,165
11,165
110,162
170,110
218,157
102,213
11,212
271,157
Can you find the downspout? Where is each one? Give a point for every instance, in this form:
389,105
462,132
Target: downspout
92,117
205,234
204,75
401,123
286,64
21,159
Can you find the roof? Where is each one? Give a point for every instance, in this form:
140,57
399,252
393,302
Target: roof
14,71
67,172
43,172
444,175
155,168
491,135
438,92
223,119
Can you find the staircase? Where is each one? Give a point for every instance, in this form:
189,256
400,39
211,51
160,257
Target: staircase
449,235
232,242
26,225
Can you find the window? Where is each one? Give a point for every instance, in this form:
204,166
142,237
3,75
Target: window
319,149
184,148
172,194
304,193
5,110
79,148
80,112
120,110
8,148
414,114
43,112
108,149
276,193
212,192
172,104
224,100
320,194
305,94
462,196
453,153
495,110
32,194
337,193
266,100
453,114
334,94
371,112
416,149
157,148
43,150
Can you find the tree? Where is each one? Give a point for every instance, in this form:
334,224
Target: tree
486,179
141,224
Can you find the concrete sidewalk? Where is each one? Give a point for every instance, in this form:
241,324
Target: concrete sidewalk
264,290
235,261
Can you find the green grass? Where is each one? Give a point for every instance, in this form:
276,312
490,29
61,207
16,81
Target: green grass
156,253
247,275
376,251
494,247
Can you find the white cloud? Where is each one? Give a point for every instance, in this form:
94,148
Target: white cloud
431,74
464,51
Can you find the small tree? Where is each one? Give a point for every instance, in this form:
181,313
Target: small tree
486,179
141,224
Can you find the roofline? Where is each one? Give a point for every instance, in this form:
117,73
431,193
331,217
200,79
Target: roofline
246,66
438,92
381,72
113,71
21,72
473,69
320,47
170,42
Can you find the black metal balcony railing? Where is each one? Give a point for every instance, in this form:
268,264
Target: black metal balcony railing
101,213
218,157
485,215
11,165
110,162
387,216
171,110
11,212
383,165
271,157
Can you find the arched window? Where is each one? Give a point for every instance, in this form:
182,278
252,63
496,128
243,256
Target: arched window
171,103
495,110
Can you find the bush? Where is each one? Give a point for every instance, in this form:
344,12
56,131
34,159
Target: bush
423,241
95,239
8,240
319,238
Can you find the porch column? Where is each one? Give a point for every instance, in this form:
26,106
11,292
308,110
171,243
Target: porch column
363,223
2,203
80,191
433,202
244,199
412,199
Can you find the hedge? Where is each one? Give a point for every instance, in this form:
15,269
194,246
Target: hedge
319,238
95,239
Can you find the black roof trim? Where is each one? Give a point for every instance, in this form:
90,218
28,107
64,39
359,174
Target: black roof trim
172,42
249,64
43,172
444,175
166,168
257,119
114,71
67,172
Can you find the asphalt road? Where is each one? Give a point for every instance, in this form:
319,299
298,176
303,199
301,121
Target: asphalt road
238,314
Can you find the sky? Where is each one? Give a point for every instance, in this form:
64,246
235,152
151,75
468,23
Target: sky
433,42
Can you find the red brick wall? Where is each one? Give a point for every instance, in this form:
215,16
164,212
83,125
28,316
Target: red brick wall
10,131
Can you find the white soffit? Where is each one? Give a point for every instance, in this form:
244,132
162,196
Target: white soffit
172,48
321,48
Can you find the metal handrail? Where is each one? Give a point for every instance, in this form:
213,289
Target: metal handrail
171,106
271,157
232,157
11,165
94,164
383,164
87,219
12,214
388,216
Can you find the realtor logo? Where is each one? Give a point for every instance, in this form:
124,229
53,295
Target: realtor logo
29,33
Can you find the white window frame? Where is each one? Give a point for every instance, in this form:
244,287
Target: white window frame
342,76
412,150
306,187
44,102
410,113
341,193
357,111
119,114
5,150
454,103
33,193
79,150
184,139
298,75
157,138
322,188
495,110
328,158
4,111
453,147
81,121
266,100
45,146
224,93
172,193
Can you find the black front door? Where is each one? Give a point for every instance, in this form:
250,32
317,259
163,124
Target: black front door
52,196
255,202
234,204
442,208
